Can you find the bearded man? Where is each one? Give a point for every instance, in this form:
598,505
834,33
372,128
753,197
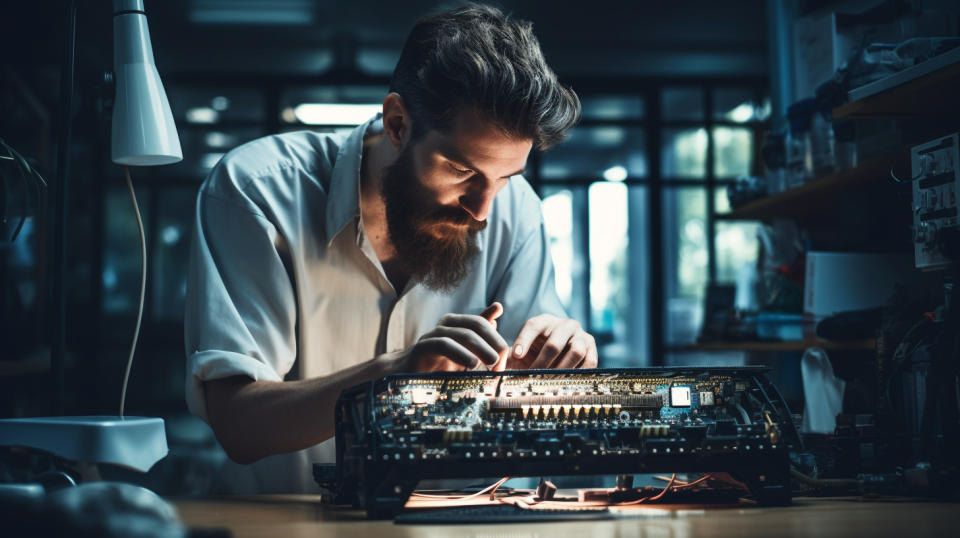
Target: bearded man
414,243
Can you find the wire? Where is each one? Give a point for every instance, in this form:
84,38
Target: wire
656,497
683,484
743,413
531,502
25,171
492,489
898,180
143,287
821,483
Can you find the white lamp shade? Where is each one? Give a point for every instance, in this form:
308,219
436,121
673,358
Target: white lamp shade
144,133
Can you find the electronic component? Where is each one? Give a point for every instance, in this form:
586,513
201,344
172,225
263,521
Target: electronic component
936,186
394,432
679,396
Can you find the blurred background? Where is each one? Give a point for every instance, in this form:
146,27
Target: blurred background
679,100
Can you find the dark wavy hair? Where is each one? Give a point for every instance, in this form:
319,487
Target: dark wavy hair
475,56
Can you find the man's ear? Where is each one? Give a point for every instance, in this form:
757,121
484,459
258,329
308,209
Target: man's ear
396,120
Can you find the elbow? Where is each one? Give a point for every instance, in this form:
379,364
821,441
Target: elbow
224,406
238,447
241,455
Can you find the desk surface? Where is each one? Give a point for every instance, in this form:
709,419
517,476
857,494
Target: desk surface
296,516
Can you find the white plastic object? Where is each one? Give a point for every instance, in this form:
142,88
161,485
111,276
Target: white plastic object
134,442
144,133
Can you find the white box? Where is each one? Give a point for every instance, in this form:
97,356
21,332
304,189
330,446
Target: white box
819,49
841,281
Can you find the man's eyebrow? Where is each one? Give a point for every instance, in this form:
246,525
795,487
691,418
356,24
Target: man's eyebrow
452,155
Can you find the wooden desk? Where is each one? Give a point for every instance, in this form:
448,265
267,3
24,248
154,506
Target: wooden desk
304,516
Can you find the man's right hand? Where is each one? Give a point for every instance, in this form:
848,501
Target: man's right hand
458,342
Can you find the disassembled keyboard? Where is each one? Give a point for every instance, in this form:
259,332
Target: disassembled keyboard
394,432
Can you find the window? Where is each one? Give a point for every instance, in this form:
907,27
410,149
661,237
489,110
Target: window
609,152
685,262
564,214
736,242
601,186
684,153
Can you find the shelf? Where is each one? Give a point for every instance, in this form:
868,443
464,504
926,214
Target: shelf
925,89
809,198
35,365
794,345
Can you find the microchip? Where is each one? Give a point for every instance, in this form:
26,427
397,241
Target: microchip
706,398
680,396
420,396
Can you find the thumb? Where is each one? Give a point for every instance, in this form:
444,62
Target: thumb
491,313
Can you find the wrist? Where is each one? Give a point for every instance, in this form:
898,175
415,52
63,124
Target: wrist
388,363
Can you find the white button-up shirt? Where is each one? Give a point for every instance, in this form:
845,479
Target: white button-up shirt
284,284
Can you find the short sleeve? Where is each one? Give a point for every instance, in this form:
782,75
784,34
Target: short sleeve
526,286
240,316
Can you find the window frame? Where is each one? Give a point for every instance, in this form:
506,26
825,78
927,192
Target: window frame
654,125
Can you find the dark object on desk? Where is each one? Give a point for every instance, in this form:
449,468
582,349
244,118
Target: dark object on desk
504,513
719,315
922,389
545,490
95,510
394,432
851,325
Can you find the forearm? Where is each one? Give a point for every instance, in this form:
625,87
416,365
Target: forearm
255,419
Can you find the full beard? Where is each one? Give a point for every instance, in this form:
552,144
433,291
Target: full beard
434,245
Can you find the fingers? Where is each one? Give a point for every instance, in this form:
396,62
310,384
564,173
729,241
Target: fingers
581,352
546,341
556,343
573,355
492,312
590,361
482,327
447,347
528,333
470,340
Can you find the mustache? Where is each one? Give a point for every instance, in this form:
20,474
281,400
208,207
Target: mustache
456,217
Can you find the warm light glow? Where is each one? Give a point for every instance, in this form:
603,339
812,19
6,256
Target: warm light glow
335,113
216,139
743,112
202,114
615,173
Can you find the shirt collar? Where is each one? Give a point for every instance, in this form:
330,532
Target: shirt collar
343,201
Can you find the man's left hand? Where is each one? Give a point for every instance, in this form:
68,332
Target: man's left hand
547,341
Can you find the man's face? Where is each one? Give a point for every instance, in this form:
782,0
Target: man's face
439,192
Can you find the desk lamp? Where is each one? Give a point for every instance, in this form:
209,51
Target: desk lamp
144,134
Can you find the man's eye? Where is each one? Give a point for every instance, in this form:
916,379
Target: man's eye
460,171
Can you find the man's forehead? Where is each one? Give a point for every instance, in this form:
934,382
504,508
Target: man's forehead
472,139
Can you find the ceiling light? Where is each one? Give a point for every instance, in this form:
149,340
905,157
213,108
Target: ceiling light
335,114
615,173
743,112
202,114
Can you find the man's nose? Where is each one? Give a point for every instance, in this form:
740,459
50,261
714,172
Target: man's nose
477,201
